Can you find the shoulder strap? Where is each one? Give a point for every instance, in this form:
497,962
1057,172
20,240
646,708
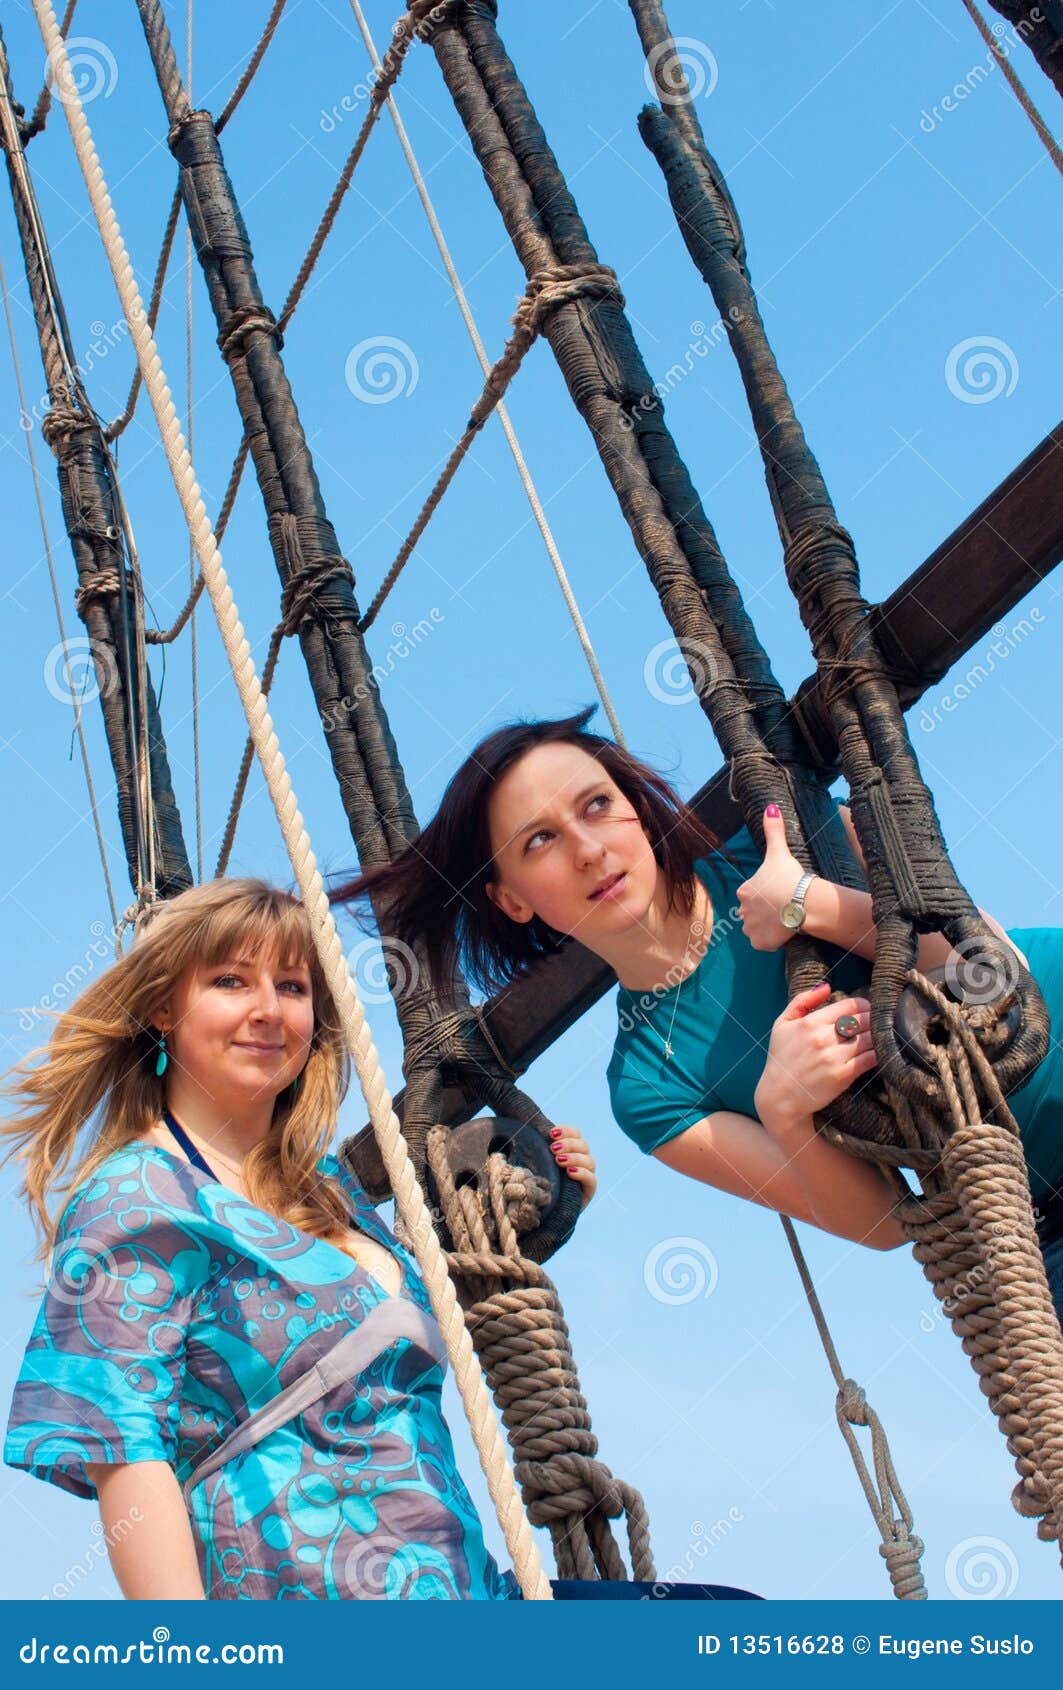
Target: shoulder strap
194,1155
384,1325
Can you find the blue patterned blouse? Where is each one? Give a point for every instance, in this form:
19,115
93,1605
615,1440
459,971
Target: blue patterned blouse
174,1309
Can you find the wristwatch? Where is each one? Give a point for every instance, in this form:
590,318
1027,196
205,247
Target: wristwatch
792,915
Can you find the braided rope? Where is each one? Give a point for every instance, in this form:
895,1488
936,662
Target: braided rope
518,1328
561,284
408,1195
899,1545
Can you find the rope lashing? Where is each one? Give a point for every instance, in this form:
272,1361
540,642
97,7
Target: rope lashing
408,1195
977,1243
561,284
244,322
121,423
137,916
98,587
518,1328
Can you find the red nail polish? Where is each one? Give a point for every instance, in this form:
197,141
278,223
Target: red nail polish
555,1132
773,810
563,1160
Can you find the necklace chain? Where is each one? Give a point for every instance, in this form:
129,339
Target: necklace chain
698,928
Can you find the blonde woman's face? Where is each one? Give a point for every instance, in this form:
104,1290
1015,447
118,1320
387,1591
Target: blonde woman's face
241,1029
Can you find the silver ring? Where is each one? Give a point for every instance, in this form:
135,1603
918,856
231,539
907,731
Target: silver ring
847,1028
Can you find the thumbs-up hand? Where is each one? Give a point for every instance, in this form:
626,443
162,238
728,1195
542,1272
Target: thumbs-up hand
762,896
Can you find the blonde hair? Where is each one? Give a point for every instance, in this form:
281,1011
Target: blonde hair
102,1056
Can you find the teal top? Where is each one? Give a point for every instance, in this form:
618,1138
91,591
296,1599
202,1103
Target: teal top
724,1016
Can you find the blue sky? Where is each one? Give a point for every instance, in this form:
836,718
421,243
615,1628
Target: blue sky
907,258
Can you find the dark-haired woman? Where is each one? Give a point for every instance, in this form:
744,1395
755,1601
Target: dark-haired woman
549,831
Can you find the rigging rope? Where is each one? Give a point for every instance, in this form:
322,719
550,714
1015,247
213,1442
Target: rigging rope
1044,134
408,1196
518,1327
44,98
530,490
197,781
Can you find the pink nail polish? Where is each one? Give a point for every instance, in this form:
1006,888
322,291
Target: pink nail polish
555,1132
773,810
563,1160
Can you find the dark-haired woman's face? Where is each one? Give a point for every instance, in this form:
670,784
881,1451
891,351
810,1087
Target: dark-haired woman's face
568,846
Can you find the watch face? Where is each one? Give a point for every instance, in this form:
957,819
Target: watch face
792,915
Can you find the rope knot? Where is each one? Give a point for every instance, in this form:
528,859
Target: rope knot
60,422
243,322
96,586
525,1195
852,1403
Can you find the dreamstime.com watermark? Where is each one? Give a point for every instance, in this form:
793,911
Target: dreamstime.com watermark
704,341
79,669
101,949
681,68
634,1014
89,73
380,369
332,117
982,1569
404,641
160,1651
980,369
94,1554
1008,38
703,1540
103,342
679,1271
1005,641
680,674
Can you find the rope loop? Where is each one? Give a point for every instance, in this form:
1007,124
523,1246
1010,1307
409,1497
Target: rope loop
97,586
245,321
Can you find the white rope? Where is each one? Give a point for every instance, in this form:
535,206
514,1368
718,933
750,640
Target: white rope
582,632
409,1199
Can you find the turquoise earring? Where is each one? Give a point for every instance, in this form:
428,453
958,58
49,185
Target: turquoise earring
295,1085
162,1059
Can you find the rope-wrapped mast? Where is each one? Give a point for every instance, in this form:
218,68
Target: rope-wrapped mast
319,606
612,389
565,1486
946,1069
107,594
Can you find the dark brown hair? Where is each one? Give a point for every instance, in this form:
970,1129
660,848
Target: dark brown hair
434,896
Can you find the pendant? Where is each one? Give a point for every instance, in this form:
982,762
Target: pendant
667,1050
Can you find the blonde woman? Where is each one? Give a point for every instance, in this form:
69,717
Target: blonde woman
233,1353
